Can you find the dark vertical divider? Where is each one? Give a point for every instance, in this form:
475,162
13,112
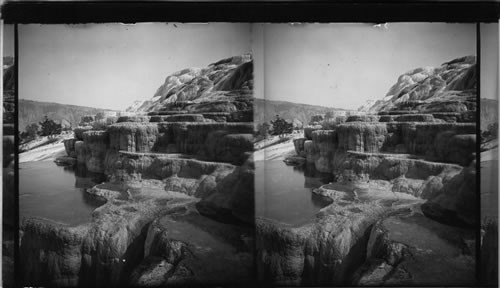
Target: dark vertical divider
478,153
17,274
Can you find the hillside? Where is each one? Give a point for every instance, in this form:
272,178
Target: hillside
266,110
489,112
34,111
223,86
450,87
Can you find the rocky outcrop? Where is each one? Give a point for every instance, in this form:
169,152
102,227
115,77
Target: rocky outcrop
299,146
443,142
362,137
362,118
224,86
65,160
407,248
99,254
176,252
69,146
93,150
224,186
309,129
160,173
235,194
222,146
203,139
105,252
179,118
448,88
364,166
134,118
406,170
430,140
80,130
329,249
133,137
452,205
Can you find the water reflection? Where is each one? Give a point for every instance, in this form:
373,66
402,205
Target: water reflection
313,178
57,192
284,193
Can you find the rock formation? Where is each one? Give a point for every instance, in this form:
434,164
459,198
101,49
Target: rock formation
407,165
179,190
224,86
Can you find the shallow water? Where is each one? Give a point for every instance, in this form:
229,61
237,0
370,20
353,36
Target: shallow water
284,193
57,192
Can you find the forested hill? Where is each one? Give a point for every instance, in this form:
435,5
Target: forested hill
34,111
266,110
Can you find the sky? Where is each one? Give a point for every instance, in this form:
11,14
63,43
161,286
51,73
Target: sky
112,65
489,60
344,65
336,65
8,40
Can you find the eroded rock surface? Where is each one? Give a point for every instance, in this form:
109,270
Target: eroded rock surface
407,248
224,86
401,211
179,190
98,254
187,248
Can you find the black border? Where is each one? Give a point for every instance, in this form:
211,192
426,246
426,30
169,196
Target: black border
245,11
478,155
272,12
17,279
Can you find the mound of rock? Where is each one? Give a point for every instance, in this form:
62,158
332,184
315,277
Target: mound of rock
223,86
402,207
179,190
408,248
448,88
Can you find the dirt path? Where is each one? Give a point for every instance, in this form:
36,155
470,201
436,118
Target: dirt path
275,152
48,152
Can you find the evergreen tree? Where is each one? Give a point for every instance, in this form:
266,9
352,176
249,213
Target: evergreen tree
50,128
281,127
32,131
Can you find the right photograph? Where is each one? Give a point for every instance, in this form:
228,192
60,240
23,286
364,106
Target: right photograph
365,155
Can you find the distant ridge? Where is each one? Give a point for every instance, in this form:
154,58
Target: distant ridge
31,111
266,110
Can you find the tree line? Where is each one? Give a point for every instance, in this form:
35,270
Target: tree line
47,127
278,126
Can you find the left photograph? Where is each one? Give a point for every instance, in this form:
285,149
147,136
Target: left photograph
135,155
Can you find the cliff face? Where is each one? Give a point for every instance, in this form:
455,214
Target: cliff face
223,86
99,254
429,112
408,165
187,161
450,87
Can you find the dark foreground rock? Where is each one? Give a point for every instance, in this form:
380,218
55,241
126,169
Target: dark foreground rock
99,254
332,246
188,248
403,209
408,248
